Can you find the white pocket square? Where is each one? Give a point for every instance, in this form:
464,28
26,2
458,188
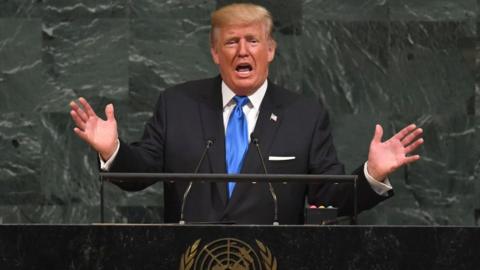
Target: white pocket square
280,158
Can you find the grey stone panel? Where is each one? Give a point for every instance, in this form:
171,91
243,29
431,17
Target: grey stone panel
21,8
477,125
182,9
287,66
167,48
352,135
476,174
346,10
20,158
345,64
87,56
65,10
48,214
432,68
368,61
432,84
432,10
144,206
68,166
21,72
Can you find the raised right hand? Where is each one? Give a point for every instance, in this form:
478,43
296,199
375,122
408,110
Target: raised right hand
101,135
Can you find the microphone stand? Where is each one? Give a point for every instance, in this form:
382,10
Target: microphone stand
270,186
187,191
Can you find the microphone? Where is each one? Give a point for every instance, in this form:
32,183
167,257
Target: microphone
270,186
187,191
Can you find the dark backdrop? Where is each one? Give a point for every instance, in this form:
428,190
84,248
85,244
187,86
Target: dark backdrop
375,61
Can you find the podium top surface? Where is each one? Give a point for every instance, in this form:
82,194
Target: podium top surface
222,177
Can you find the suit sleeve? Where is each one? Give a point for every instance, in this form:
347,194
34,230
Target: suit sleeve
147,155
323,160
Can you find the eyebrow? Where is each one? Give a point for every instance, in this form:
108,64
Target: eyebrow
247,36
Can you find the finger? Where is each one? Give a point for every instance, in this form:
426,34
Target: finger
412,136
79,111
412,147
377,136
88,109
78,120
109,112
404,132
81,134
411,159
73,105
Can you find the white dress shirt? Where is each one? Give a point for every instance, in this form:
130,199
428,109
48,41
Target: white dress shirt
251,110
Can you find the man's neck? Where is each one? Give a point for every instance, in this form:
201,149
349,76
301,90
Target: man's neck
255,97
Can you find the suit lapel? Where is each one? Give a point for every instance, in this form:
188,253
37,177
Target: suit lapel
268,122
211,115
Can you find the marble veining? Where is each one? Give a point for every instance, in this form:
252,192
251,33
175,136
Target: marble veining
376,61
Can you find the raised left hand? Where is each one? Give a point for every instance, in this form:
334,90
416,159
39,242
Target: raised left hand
386,157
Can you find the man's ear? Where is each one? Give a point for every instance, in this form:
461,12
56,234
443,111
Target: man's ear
214,53
272,46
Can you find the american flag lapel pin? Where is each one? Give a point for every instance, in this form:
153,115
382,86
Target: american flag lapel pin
273,117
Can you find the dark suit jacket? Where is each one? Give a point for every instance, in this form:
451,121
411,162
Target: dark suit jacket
189,114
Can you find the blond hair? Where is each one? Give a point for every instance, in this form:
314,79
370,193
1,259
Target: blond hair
240,14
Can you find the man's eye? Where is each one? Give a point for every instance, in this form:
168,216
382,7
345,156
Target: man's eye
230,42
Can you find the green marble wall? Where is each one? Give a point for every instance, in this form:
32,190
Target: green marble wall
391,62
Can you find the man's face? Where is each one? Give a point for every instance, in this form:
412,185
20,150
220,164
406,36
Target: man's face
243,53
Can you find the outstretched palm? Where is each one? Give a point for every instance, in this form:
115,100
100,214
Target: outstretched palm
385,157
100,134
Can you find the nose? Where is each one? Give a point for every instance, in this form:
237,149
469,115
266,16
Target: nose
242,48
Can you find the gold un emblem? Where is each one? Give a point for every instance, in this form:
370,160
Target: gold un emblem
227,254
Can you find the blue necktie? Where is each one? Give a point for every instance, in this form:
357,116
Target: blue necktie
236,140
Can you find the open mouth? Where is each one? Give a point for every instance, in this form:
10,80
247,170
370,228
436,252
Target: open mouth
244,68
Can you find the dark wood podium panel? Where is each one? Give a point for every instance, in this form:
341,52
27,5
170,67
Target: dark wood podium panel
237,247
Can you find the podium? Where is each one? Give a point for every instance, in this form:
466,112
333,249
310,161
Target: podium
208,247
236,247
310,214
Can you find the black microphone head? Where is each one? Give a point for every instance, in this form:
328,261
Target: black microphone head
210,142
254,139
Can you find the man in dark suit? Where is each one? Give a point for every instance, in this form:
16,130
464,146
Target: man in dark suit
228,111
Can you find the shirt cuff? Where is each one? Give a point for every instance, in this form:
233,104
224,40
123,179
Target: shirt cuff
381,188
105,165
